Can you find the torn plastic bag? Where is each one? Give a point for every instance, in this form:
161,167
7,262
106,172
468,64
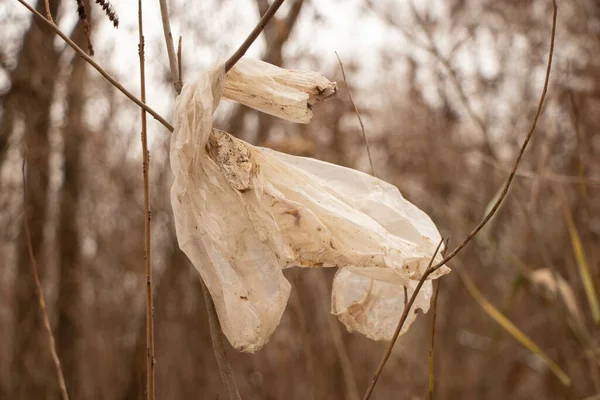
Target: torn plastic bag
287,94
373,307
244,213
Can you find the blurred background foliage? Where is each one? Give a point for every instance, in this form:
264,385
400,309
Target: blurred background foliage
447,90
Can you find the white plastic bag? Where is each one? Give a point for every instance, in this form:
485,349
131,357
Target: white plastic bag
244,213
287,94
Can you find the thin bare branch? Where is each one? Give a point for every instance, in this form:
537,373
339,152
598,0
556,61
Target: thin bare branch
547,175
432,346
513,172
150,360
362,126
164,13
219,348
38,286
388,351
239,53
434,50
488,216
98,68
179,61
48,13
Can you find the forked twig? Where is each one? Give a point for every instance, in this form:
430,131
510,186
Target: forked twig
239,53
362,126
388,351
98,68
513,172
38,286
150,360
488,216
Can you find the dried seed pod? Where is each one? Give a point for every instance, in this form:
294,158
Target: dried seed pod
110,11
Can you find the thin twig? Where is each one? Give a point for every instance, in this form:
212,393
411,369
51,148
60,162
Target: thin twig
164,13
150,360
48,13
218,347
38,286
239,53
489,215
434,50
362,126
547,175
512,174
388,351
98,68
435,298
179,61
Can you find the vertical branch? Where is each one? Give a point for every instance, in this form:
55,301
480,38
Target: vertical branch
40,293
48,13
179,61
150,361
164,13
435,299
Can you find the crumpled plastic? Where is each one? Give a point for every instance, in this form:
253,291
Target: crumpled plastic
287,94
244,213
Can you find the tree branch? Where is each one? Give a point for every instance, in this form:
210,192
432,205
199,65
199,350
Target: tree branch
239,53
489,215
98,68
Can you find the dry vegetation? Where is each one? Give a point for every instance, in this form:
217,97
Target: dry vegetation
443,126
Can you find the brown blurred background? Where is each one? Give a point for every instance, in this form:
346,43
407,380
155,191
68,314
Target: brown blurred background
447,101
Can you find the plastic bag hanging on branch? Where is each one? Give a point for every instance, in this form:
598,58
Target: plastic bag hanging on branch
244,213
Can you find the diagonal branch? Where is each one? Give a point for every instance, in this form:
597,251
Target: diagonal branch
489,215
239,53
98,68
36,277
407,308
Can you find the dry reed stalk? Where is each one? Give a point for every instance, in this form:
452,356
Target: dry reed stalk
150,360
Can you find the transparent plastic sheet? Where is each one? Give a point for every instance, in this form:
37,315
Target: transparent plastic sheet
244,213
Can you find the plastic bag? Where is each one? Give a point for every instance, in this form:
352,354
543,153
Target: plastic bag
244,213
287,94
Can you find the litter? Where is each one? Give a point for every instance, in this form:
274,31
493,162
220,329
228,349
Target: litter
244,213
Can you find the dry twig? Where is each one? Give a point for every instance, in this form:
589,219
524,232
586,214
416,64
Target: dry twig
150,361
98,68
48,13
239,53
164,13
362,126
38,286
489,215
435,299
388,351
